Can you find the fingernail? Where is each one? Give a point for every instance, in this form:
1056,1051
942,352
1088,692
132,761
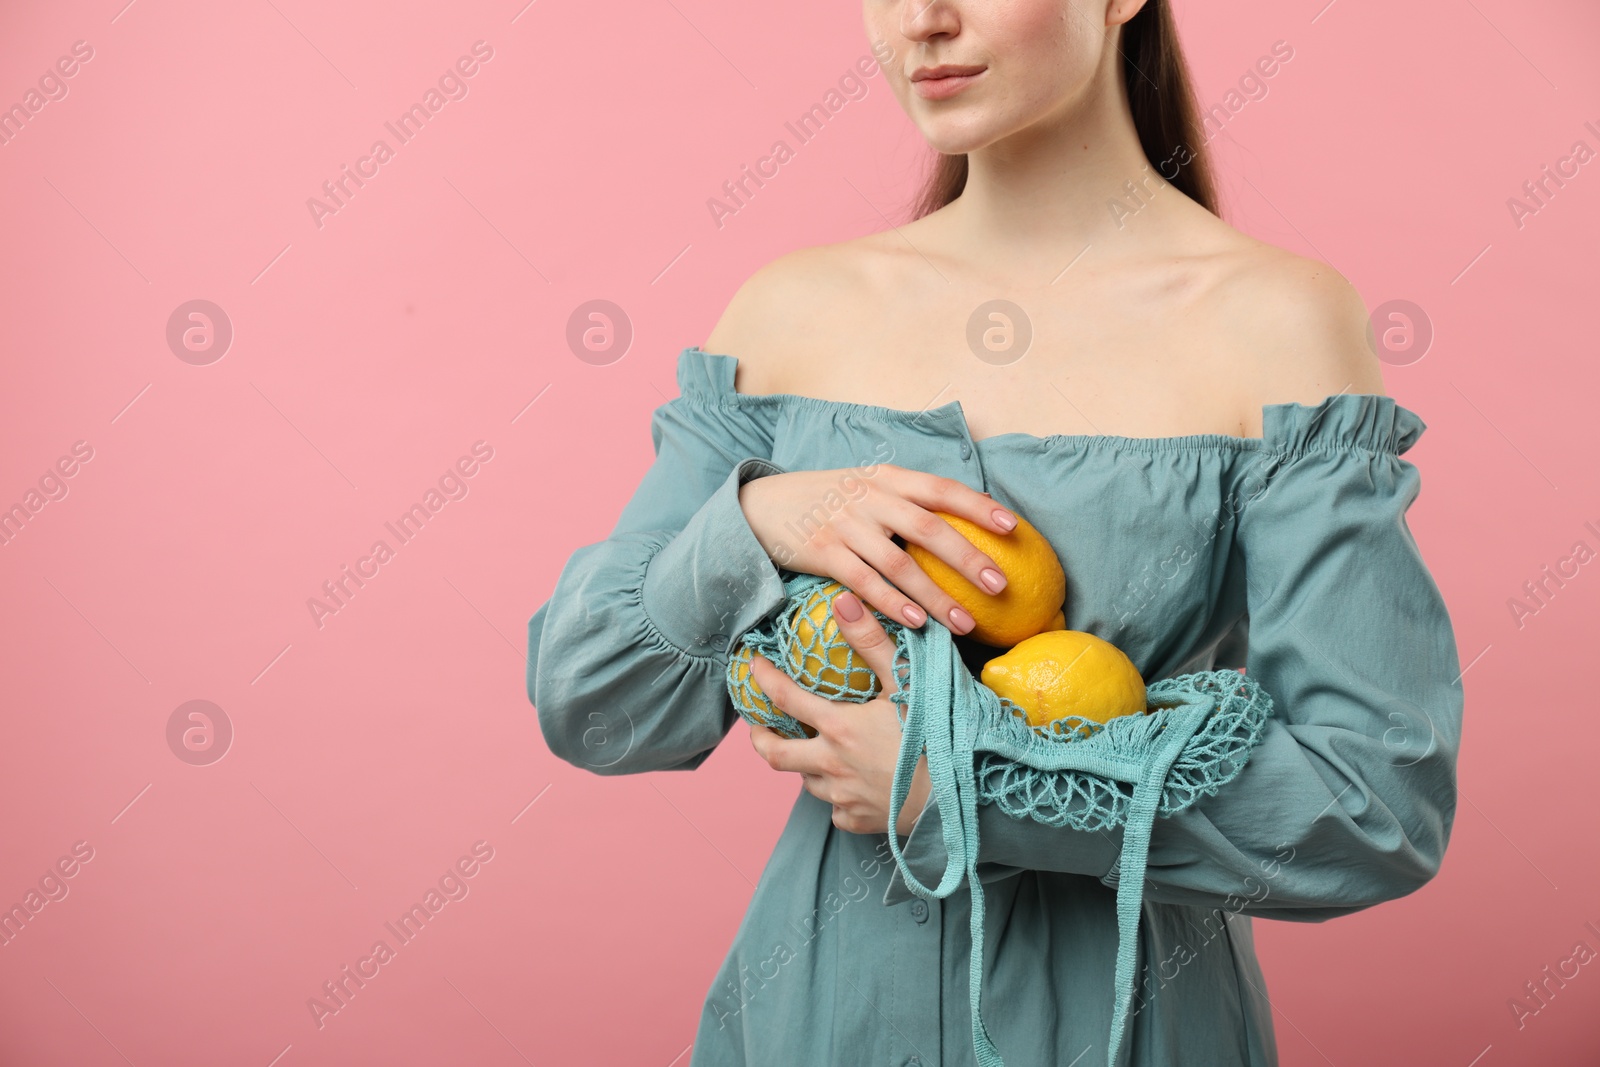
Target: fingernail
847,607
1005,518
913,614
961,620
993,580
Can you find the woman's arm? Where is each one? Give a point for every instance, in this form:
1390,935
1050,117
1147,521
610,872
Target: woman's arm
628,657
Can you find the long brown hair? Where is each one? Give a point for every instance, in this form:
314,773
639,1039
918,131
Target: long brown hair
1161,97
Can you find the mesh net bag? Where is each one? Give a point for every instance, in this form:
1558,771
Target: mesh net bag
1195,738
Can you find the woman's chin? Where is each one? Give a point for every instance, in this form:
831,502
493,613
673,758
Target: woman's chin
954,139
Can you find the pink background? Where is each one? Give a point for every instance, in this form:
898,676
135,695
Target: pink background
371,352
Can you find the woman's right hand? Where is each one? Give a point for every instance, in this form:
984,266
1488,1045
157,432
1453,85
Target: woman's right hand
791,515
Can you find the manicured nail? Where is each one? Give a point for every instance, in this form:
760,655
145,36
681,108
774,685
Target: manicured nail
913,614
847,607
961,620
993,580
1005,519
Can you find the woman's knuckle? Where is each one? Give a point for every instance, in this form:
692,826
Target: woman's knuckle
946,489
861,576
971,556
925,526
898,564
846,524
825,537
900,561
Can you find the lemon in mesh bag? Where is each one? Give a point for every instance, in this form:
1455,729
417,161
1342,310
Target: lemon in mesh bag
807,645
1064,674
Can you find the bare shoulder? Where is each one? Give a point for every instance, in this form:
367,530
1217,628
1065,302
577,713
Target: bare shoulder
1298,328
773,319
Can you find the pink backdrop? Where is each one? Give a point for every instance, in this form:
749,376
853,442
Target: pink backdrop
375,346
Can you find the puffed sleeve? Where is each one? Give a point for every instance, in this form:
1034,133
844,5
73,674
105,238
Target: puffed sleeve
1349,798
627,658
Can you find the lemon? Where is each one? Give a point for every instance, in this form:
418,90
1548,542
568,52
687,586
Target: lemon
819,657
1036,586
751,697
1067,672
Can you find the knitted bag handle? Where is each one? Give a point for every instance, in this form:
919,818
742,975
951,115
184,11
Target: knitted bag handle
980,749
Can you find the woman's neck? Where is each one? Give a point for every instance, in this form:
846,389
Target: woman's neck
1083,185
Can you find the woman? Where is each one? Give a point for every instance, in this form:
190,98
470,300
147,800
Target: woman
1194,419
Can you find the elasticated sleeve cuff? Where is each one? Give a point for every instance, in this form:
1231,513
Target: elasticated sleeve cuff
713,581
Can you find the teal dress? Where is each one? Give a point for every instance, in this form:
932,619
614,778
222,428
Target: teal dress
1286,555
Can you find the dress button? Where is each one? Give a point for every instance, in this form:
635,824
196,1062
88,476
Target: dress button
914,1061
966,450
919,910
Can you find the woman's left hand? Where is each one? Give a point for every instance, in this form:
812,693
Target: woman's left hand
850,763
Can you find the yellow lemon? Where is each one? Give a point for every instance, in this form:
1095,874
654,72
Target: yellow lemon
1067,672
819,657
1036,586
750,695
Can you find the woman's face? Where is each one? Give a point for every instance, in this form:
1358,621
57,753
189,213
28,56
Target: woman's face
1021,62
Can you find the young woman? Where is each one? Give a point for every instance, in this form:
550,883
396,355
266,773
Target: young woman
1193,418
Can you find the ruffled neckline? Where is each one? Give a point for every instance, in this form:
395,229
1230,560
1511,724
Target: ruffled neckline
1368,421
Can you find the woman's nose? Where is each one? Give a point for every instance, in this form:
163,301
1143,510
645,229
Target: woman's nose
923,19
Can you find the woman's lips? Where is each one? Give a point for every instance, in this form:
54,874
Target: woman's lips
944,88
